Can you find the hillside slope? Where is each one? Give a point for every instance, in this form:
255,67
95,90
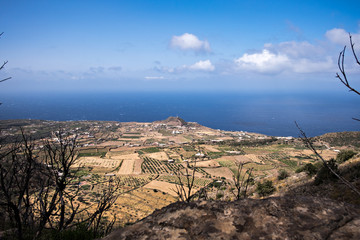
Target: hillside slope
272,218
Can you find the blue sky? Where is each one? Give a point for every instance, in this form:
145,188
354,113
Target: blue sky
176,45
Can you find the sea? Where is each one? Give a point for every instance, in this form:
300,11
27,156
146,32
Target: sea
273,114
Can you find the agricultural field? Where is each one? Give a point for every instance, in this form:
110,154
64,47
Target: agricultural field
147,160
161,156
154,166
96,162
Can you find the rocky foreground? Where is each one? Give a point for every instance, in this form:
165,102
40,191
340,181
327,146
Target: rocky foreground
272,218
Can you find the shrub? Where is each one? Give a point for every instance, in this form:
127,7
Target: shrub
282,174
219,195
325,174
344,155
309,168
266,188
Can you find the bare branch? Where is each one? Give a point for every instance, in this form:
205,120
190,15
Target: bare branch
343,77
241,182
184,188
309,144
353,50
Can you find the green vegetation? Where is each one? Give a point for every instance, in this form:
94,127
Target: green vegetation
344,155
154,166
150,150
265,189
214,155
198,182
92,154
292,164
309,168
282,174
189,148
342,138
132,137
133,182
118,167
81,172
325,174
165,132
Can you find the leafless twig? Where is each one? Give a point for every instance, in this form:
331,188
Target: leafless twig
184,187
309,144
341,66
241,181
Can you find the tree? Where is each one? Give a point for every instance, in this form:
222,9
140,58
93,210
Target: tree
34,188
241,182
184,187
18,178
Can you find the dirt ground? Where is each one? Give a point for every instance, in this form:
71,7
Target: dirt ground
165,187
207,164
127,167
137,166
253,158
162,186
131,156
96,162
161,156
210,148
220,172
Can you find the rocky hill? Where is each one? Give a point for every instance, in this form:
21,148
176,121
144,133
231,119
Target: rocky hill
272,218
173,121
341,139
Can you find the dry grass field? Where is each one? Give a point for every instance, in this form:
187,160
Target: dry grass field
127,167
148,180
207,164
211,148
161,156
96,162
220,172
162,186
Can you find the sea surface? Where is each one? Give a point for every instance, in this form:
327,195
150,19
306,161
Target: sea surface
268,113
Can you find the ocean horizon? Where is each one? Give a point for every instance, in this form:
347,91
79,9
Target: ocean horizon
272,114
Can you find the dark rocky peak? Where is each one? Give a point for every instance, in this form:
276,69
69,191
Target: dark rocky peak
174,121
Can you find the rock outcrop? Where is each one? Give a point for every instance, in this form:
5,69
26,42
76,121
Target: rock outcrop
173,121
272,218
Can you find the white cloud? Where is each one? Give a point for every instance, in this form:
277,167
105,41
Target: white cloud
291,61
340,36
206,66
264,62
200,66
188,41
295,49
300,57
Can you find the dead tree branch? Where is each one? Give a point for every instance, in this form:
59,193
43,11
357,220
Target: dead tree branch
309,145
185,187
241,181
107,198
18,173
343,78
